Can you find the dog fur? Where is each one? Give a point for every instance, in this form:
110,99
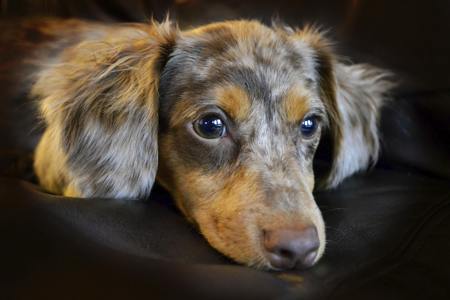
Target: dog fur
119,101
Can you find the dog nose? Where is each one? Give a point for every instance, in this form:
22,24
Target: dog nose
287,248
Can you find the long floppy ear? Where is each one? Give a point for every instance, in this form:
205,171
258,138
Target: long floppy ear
100,106
361,91
353,96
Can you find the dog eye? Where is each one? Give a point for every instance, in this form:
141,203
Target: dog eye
210,127
308,126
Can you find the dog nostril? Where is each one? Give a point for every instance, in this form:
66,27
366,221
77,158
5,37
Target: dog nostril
286,253
287,248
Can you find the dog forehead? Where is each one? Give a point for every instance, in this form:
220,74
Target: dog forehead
240,64
249,53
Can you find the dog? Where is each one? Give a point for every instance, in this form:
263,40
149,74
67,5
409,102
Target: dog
227,117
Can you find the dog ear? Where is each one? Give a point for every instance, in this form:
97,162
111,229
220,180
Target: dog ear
361,91
353,96
100,106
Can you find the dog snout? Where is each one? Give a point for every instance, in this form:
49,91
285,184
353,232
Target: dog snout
291,248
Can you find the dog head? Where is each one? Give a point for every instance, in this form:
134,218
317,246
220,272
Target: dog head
227,117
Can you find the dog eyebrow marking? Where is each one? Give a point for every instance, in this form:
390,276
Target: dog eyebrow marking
295,104
234,101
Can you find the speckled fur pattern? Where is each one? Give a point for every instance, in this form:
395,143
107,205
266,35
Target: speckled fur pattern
119,101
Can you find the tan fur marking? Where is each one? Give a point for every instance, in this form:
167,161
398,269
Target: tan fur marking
295,104
234,100
183,110
314,37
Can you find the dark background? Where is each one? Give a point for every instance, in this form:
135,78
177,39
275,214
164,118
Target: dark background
409,37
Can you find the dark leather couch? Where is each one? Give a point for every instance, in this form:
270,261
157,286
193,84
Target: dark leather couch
388,230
